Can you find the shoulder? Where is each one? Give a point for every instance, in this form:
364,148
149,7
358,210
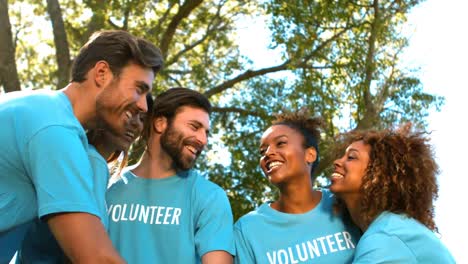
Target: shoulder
43,109
202,184
393,224
252,218
381,247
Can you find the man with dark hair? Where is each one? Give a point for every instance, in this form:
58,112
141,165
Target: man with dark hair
44,167
161,210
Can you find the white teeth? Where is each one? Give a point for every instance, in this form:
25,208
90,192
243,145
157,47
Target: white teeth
336,175
274,164
128,114
192,149
130,134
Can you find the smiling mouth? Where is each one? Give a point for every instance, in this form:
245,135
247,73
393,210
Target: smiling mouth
130,135
128,114
273,164
337,175
193,150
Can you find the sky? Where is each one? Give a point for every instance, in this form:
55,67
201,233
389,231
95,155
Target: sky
439,45
439,48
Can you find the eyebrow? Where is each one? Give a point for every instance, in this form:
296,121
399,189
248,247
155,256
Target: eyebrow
275,139
352,150
142,85
200,125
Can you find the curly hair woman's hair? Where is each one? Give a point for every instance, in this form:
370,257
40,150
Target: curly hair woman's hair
309,127
400,176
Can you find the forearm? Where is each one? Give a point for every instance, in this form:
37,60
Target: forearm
83,238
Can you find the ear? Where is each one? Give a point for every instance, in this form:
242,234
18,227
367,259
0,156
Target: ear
102,73
159,124
310,155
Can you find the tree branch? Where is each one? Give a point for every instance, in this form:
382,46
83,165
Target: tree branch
184,11
61,43
98,19
235,110
288,64
8,71
369,111
210,29
245,76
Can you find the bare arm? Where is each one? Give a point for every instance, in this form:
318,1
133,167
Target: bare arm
83,238
217,257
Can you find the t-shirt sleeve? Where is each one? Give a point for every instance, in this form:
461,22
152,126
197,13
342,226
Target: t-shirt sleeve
383,248
244,252
214,225
61,172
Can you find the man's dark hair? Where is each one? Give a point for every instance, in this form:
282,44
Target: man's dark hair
168,103
118,48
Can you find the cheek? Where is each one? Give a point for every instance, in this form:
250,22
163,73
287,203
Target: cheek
262,164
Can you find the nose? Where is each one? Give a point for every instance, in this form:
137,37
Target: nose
269,151
142,103
203,137
337,163
137,121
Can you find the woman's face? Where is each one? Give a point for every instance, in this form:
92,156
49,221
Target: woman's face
350,169
283,156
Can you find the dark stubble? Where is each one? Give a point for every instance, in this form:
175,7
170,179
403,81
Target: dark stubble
172,142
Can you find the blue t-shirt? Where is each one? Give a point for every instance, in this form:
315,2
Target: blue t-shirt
171,220
39,245
395,238
44,167
318,236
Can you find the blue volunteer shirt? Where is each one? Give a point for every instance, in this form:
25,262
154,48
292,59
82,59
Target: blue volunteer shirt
396,238
171,220
267,236
39,245
44,167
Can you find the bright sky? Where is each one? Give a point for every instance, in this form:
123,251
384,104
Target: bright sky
439,47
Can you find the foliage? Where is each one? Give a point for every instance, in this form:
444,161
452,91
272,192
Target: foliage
338,58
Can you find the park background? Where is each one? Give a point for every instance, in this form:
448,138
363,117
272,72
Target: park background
253,58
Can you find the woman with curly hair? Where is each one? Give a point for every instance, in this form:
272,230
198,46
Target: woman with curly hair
300,225
386,180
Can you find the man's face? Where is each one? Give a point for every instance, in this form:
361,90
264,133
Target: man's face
186,136
124,98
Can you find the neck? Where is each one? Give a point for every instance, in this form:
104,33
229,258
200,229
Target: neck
83,103
105,152
155,165
297,198
352,202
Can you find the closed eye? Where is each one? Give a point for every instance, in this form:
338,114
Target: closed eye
194,127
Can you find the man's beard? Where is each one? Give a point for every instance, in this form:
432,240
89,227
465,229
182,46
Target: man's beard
173,142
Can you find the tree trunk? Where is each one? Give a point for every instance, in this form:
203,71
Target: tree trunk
8,73
61,43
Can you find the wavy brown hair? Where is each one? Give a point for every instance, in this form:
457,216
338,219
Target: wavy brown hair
400,176
308,126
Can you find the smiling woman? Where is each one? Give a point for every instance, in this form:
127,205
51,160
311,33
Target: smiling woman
387,182
300,225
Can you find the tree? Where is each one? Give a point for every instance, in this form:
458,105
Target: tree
339,58
8,72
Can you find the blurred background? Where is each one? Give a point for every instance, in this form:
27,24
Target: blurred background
358,64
